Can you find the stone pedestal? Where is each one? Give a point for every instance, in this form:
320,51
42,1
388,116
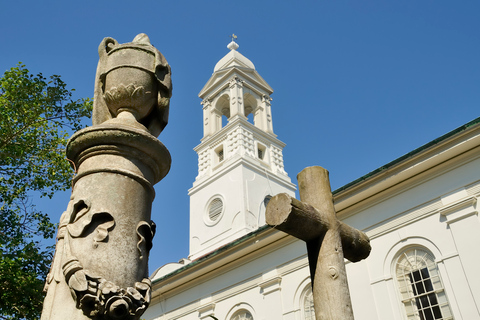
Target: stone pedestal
100,269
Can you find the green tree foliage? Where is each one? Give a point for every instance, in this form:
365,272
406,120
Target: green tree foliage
35,115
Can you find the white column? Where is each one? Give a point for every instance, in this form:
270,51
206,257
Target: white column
207,130
268,113
260,118
272,299
463,222
236,97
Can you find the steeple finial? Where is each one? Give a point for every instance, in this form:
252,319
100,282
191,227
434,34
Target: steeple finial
233,45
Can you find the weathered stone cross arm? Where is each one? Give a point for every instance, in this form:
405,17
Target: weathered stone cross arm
306,223
328,240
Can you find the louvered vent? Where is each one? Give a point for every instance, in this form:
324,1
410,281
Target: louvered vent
215,210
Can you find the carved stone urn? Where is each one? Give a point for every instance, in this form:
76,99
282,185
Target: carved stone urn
133,85
129,89
100,268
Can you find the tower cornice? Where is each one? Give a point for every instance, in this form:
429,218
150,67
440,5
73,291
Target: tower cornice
220,79
220,135
249,163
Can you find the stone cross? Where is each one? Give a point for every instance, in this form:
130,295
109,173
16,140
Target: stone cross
329,241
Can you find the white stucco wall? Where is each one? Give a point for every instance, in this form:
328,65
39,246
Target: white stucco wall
437,212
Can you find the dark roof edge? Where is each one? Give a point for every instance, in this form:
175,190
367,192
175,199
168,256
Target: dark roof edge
408,155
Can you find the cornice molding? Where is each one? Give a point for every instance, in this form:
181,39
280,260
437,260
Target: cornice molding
462,147
459,210
270,285
221,80
233,125
233,163
206,311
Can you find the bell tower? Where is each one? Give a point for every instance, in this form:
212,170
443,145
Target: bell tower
240,160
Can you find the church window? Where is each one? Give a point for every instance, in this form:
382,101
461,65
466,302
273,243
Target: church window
308,311
261,151
251,118
421,289
220,154
224,120
222,111
242,315
215,209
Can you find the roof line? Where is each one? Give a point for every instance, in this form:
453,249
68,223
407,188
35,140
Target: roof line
348,185
408,155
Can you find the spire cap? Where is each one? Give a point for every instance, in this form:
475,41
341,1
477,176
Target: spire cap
233,45
233,58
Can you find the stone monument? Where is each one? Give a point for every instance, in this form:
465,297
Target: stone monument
100,267
329,241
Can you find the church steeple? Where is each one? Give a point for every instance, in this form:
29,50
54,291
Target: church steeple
234,71
240,158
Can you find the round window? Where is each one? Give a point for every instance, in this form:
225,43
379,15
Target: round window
215,209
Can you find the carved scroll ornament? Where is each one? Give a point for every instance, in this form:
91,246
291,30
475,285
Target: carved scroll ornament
97,297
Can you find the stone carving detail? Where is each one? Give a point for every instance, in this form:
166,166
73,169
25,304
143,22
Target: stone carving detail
266,99
133,83
206,102
233,101
81,218
236,81
105,235
135,94
96,296
145,232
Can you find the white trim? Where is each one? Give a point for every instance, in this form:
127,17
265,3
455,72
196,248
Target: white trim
459,210
402,245
206,311
270,285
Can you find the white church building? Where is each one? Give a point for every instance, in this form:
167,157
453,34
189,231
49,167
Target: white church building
420,212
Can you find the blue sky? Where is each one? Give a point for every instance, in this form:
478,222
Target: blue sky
357,83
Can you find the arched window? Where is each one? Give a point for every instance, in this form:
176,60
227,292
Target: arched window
250,104
242,315
421,289
222,110
307,307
